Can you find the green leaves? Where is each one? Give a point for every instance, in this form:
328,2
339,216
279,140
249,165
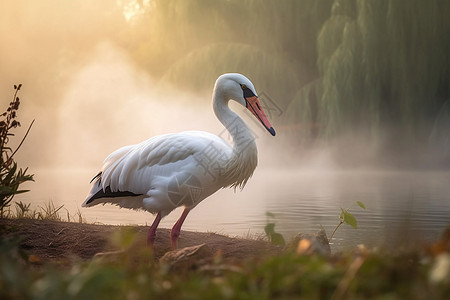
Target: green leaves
270,214
361,204
10,179
10,175
348,218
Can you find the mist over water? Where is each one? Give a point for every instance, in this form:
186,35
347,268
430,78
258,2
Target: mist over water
95,81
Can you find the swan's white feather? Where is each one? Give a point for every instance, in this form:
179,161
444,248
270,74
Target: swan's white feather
148,168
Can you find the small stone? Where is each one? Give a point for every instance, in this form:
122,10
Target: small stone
185,256
309,244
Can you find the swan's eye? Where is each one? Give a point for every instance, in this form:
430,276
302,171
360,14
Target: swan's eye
247,91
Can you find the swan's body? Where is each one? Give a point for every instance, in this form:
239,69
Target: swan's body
182,169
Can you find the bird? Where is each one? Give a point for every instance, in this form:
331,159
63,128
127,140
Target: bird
182,169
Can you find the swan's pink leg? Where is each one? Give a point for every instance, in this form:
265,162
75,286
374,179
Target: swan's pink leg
175,233
151,236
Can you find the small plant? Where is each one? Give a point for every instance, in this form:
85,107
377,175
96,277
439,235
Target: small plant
50,212
347,218
274,237
10,175
23,210
78,217
46,212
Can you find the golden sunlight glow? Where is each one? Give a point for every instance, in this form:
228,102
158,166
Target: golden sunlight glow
132,9
340,86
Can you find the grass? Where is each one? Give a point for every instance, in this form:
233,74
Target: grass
47,212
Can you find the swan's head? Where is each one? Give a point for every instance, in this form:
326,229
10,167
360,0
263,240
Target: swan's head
239,88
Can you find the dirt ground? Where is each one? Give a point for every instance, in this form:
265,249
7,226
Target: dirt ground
50,240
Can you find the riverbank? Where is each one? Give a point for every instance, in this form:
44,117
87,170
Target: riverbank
49,240
59,260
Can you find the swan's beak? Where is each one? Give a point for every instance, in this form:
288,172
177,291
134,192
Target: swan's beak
254,106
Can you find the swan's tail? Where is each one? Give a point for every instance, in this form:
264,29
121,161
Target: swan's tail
101,195
95,190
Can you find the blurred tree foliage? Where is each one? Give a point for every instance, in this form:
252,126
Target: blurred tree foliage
376,68
373,68
189,43
384,66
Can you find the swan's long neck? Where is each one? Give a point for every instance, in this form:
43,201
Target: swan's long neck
244,156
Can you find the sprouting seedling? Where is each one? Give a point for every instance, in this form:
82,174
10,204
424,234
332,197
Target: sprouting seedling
274,237
348,218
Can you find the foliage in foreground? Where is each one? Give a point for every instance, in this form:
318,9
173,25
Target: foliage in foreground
135,275
10,175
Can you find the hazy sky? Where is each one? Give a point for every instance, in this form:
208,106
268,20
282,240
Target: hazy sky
76,81
87,95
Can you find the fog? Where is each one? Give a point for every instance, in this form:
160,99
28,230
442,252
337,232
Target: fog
343,92
115,59
85,91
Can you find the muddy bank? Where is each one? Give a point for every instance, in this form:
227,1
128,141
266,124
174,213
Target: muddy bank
53,241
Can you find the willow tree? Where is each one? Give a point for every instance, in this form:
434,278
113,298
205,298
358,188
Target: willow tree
384,67
190,42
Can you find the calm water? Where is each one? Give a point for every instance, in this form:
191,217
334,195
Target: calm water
403,208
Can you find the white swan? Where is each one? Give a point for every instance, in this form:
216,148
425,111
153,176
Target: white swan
182,169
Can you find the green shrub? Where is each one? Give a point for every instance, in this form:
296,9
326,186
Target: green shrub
10,175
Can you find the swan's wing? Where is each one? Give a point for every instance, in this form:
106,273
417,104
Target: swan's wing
130,170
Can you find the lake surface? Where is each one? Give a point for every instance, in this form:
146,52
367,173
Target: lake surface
404,209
